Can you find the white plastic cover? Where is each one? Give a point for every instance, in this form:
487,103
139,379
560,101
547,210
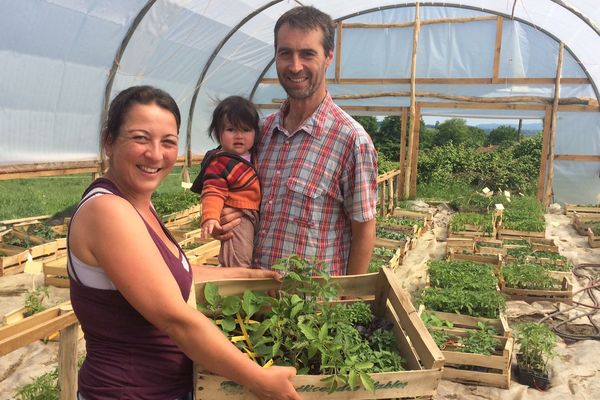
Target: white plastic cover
56,58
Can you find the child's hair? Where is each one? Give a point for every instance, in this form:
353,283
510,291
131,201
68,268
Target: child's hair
240,112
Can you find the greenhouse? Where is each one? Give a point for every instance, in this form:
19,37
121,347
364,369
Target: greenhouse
482,275
63,61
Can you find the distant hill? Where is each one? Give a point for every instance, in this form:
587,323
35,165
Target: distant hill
530,128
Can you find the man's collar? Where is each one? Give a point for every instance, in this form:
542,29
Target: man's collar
310,125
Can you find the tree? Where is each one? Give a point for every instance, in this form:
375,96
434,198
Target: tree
457,131
502,134
370,124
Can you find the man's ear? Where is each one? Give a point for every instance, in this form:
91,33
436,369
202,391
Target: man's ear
329,58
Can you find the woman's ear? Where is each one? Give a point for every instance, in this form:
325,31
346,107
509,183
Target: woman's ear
108,148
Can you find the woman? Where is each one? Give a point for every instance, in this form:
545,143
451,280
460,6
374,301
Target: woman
130,280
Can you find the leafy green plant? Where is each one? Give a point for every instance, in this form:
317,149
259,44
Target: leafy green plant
478,303
536,345
524,213
437,328
528,276
43,231
401,221
170,202
595,227
45,387
389,234
301,328
482,222
34,300
480,341
465,275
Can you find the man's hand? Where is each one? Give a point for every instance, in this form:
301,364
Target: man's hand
230,218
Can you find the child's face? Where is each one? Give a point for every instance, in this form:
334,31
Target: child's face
237,140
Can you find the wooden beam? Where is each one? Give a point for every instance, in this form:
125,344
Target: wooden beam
403,121
413,104
424,22
499,106
577,157
474,99
497,49
415,150
549,192
544,155
447,81
338,53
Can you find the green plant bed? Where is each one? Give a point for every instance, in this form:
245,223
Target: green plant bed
389,234
480,303
400,221
465,275
528,276
344,341
474,221
524,214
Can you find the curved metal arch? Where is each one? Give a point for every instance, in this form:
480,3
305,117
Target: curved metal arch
437,4
208,64
117,61
579,14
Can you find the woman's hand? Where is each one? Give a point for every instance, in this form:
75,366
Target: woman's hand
274,384
230,218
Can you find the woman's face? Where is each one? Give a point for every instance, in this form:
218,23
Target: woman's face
145,149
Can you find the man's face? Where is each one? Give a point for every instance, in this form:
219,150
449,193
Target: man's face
301,62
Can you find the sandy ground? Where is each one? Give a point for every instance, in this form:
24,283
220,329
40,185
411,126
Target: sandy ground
575,372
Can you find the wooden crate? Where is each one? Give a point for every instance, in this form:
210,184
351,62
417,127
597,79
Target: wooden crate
562,295
570,209
424,360
489,246
495,260
182,217
205,254
579,222
55,273
513,234
458,245
593,240
484,370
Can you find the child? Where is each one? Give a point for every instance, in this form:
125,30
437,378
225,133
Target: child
228,178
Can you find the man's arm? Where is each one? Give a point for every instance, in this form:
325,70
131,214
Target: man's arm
363,240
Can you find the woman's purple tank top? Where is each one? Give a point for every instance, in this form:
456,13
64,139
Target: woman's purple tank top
127,357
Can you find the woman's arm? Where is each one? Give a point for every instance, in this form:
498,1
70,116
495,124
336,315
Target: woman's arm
108,232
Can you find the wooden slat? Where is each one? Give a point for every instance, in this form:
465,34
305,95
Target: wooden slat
541,189
497,49
548,196
338,51
577,157
34,328
430,354
403,139
447,81
413,107
404,345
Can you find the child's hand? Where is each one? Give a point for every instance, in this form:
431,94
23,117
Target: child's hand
208,226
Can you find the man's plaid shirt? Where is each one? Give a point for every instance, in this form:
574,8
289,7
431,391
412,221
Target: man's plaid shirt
314,181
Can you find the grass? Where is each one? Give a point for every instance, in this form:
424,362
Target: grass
58,195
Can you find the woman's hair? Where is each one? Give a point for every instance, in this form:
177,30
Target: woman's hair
240,112
129,97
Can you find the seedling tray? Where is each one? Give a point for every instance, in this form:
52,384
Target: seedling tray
424,361
478,369
564,294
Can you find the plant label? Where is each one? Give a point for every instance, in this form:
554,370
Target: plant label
32,267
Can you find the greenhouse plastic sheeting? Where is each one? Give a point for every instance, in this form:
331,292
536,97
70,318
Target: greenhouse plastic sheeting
59,57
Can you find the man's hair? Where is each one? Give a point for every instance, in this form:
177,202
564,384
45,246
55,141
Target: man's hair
308,18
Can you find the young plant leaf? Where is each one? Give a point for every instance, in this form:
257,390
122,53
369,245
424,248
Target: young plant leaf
211,293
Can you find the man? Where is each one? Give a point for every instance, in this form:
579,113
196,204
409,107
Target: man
317,166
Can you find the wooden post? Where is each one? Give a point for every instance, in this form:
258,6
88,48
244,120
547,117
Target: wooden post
415,151
391,199
67,359
497,50
403,118
338,52
544,155
413,91
549,192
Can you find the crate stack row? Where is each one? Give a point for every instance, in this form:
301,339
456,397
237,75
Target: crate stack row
529,266
463,308
29,239
396,234
586,221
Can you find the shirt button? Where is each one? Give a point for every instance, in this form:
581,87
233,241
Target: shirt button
270,201
278,172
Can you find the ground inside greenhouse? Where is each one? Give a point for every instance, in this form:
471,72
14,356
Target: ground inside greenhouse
574,373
